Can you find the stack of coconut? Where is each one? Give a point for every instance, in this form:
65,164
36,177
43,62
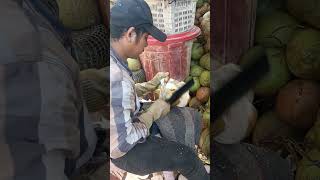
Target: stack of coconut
285,117
200,73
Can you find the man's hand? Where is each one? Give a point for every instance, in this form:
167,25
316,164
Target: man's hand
160,75
146,87
157,110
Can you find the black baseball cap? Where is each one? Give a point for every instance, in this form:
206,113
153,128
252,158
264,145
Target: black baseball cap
135,13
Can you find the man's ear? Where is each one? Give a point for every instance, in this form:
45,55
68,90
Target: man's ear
131,35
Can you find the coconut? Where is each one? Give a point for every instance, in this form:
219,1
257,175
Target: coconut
252,120
303,54
306,11
194,103
309,168
134,64
206,118
196,85
207,45
199,3
205,61
278,74
269,6
275,29
298,102
78,14
202,10
203,94
269,128
168,88
238,120
197,51
196,70
251,55
205,78
204,142
205,25
312,138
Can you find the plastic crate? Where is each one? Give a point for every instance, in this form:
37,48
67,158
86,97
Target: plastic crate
173,16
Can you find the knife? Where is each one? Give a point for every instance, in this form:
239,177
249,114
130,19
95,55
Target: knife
178,93
238,86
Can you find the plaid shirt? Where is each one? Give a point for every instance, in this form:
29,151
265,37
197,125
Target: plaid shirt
125,129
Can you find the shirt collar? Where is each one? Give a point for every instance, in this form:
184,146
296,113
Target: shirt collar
120,61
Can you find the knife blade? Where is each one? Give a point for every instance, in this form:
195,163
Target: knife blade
238,86
178,93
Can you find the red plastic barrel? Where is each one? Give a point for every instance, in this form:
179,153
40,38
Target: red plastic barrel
173,55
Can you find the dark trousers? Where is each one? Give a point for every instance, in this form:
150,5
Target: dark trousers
158,154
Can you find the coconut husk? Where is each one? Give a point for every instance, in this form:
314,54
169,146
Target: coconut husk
309,166
312,138
306,11
298,102
275,29
303,54
78,14
269,129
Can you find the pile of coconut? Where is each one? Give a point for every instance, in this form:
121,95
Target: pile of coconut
281,113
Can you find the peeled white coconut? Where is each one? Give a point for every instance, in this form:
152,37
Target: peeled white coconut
168,88
239,119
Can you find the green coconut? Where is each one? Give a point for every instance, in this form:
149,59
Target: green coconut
269,6
199,3
303,54
134,64
196,51
269,128
205,61
312,138
206,118
78,14
251,55
196,70
275,29
306,11
308,170
277,76
205,78
196,85
188,78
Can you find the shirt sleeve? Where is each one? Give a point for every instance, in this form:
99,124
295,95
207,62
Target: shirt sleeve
125,130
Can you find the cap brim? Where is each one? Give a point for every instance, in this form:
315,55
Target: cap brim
156,33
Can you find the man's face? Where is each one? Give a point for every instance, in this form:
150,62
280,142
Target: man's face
134,44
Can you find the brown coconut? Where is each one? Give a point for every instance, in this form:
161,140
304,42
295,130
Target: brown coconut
203,94
298,102
270,128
